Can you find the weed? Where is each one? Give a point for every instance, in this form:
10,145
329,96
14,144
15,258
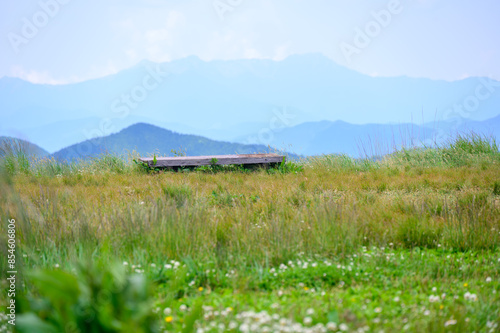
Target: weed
179,194
496,188
286,167
143,167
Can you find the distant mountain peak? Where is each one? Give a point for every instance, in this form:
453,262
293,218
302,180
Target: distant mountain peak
10,144
142,127
309,56
146,139
145,62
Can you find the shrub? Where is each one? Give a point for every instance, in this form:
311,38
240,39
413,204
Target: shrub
96,299
286,167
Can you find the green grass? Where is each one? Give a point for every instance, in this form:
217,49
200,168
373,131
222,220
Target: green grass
410,243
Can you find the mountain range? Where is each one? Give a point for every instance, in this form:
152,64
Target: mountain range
9,145
146,139
312,138
326,137
235,100
305,103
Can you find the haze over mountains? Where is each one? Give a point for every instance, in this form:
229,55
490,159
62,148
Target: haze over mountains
145,139
9,145
325,137
305,100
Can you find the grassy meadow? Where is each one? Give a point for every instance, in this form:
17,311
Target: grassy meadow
407,243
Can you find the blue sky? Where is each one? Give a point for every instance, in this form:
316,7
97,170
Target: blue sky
79,40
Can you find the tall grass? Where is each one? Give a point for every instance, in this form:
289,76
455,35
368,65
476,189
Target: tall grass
107,210
468,149
14,155
105,206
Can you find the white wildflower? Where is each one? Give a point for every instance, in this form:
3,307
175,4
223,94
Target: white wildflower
433,298
450,322
470,297
331,326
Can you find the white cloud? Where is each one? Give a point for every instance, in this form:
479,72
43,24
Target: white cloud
281,52
124,32
39,77
44,77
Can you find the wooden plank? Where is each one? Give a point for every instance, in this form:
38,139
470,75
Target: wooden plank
192,161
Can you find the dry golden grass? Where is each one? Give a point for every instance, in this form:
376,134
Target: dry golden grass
263,216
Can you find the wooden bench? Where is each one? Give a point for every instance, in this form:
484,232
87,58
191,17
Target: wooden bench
195,161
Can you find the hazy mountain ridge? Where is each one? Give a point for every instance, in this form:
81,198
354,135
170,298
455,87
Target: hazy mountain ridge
310,138
212,98
146,139
326,137
10,144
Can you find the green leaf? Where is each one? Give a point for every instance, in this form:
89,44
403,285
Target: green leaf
30,323
58,286
333,316
194,315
